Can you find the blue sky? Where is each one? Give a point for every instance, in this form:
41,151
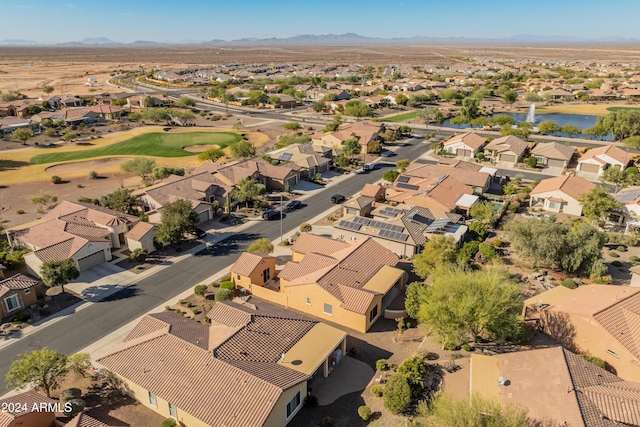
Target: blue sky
175,20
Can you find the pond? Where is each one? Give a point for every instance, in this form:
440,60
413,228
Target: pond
581,120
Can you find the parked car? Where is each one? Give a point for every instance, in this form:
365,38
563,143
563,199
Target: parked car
198,233
387,153
293,204
270,214
338,198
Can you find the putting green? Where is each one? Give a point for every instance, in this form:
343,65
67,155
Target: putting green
149,144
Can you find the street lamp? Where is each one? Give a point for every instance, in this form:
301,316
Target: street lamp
281,214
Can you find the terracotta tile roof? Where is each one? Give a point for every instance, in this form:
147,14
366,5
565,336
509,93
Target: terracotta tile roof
507,143
29,398
229,315
308,270
59,251
358,202
308,242
16,282
139,230
444,190
184,328
264,339
593,299
272,373
622,320
470,139
610,150
553,150
247,262
147,325
572,185
371,190
355,299
84,420
467,173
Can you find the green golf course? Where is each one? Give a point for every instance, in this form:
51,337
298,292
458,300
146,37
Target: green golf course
149,144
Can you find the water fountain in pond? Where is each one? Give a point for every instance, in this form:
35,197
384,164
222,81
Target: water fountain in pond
531,115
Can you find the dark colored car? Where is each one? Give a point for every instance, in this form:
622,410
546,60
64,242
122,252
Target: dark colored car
198,233
294,204
271,214
338,198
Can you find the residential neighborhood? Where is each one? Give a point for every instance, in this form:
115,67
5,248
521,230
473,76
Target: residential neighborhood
318,231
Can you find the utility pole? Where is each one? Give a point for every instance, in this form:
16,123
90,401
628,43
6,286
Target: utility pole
281,214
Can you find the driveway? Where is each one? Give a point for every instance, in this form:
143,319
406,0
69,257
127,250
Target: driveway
100,281
348,376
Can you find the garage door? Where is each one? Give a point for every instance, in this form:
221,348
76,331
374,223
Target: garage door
90,260
587,167
555,163
203,216
511,158
460,152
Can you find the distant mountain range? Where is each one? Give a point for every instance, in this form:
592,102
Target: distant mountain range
347,39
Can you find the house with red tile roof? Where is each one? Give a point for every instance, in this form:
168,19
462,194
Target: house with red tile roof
348,283
553,154
508,148
554,384
467,144
81,231
561,194
596,160
255,357
443,193
18,292
470,174
18,410
601,320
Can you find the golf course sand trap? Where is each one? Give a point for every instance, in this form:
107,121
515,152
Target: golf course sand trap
200,148
109,163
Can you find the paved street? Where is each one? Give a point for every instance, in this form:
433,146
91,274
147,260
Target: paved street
75,332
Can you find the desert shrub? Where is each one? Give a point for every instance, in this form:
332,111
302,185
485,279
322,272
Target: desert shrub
139,254
414,369
497,243
56,179
20,212
189,304
621,249
227,284
616,263
200,290
178,311
305,227
93,174
224,294
196,311
634,258
569,283
613,254
382,365
487,251
70,393
169,422
466,347
364,412
397,394
478,229
376,390
595,360
225,278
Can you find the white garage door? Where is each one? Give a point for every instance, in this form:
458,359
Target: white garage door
555,163
90,260
203,216
460,152
508,158
587,167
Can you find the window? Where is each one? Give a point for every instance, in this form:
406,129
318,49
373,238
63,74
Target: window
328,309
613,353
152,400
173,411
554,205
373,313
540,159
308,301
27,291
266,274
238,277
293,405
12,303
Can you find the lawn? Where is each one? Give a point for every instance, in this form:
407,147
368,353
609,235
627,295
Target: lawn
623,108
590,109
401,117
148,144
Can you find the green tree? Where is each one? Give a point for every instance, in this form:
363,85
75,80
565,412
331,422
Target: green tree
121,200
510,96
356,108
622,124
482,211
597,204
502,120
532,162
426,115
412,298
470,108
571,129
225,98
403,164
185,102
390,175
212,155
351,147
247,190
134,116
439,117
262,245
148,102
184,117
548,126
47,89
59,273
69,136
161,172
401,99
177,218
342,161
156,114
468,305
439,250
140,166
22,134
42,369
79,364
274,100
397,394
45,199
614,175
292,126
243,148
532,97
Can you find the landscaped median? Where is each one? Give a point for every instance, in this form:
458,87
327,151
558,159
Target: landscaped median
177,148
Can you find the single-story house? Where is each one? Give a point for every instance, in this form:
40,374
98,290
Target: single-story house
444,193
561,194
471,174
141,236
508,148
23,410
558,386
596,160
305,156
255,357
375,191
18,292
628,215
359,205
465,145
348,283
11,123
553,154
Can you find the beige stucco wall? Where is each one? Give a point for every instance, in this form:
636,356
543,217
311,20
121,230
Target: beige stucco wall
278,416
571,207
146,242
25,299
255,277
396,247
